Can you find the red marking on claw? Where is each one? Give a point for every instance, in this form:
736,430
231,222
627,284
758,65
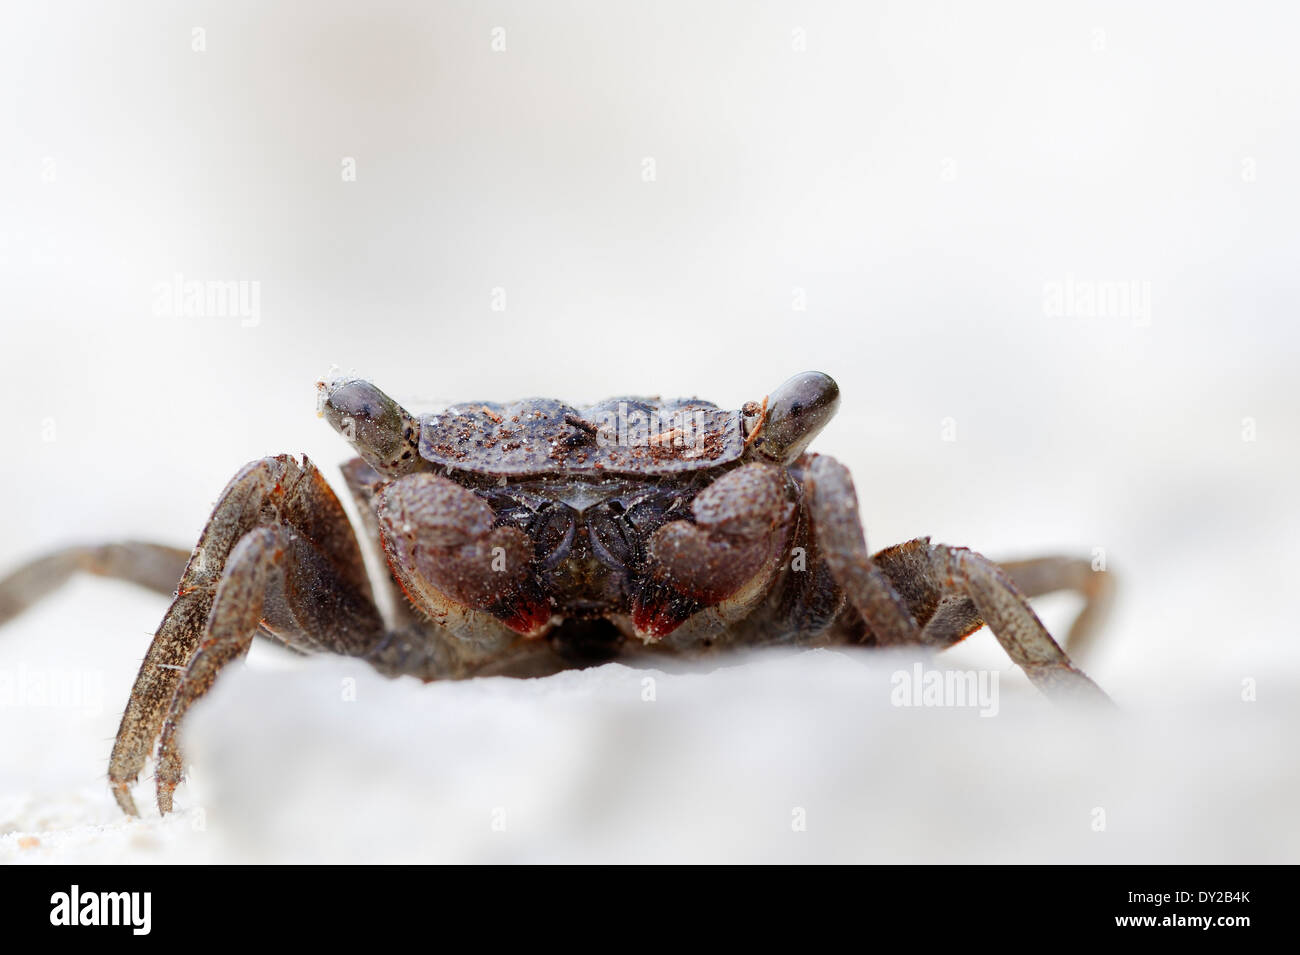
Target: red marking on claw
658,610
525,615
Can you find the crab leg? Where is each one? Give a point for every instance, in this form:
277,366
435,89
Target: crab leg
1044,575
1007,612
154,566
276,578
941,576
833,504
271,492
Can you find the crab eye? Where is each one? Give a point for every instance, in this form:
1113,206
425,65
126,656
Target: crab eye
796,412
376,425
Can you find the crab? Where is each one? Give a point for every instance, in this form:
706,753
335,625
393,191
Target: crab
526,538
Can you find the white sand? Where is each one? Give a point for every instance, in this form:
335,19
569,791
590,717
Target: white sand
719,766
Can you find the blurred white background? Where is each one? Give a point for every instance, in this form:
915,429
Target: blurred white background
495,200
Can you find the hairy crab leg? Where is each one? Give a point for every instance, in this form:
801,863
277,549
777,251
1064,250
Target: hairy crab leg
890,607
1007,612
833,507
153,566
270,491
1045,575
273,577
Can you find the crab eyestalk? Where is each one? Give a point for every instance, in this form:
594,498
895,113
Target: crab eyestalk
381,431
795,414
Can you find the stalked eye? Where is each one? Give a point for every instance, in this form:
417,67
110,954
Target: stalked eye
796,412
377,426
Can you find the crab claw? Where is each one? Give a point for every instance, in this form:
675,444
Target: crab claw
725,559
658,610
527,614
447,554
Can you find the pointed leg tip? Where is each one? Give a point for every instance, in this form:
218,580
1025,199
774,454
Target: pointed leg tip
122,794
1066,684
165,791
